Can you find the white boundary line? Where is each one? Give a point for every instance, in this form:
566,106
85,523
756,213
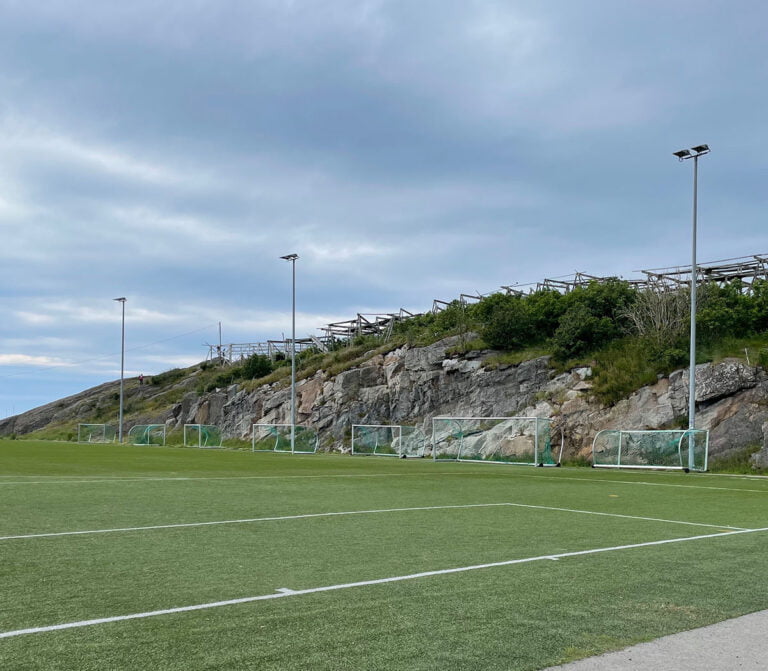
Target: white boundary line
246,521
629,517
285,592
642,482
356,512
230,477
421,474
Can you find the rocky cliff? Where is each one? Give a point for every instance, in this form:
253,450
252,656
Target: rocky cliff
411,385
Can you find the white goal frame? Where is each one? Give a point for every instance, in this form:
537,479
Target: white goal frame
200,431
683,440
539,450
400,437
147,431
283,431
108,433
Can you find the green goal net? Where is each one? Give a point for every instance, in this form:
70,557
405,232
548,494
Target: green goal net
277,438
680,449
95,433
202,435
147,434
500,440
388,440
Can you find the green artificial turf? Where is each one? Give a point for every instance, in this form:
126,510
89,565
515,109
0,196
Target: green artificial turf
517,616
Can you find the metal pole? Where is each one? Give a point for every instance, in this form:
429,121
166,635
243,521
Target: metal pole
293,359
122,371
292,258
692,354
682,155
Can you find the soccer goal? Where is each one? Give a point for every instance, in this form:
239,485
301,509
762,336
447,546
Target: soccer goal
202,435
95,433
498,440
681,449
388,440
147,434
277,438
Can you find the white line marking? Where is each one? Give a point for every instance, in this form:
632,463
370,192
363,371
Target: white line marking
186,525
642,482
233,477
483,470
629,517
246,521
363,583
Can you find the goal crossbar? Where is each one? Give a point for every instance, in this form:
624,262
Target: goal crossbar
147,434
388,440
202,435
660,449
277,438
95,433
504,440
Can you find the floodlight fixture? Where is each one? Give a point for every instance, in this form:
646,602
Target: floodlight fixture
292,258
698,150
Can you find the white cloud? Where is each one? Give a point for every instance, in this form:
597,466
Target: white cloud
30,360
35,318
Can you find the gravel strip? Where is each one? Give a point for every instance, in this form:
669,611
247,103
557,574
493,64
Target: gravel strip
740,643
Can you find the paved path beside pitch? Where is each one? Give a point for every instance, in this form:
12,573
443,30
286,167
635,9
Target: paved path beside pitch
740,643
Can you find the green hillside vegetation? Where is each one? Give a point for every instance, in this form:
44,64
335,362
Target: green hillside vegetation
628,337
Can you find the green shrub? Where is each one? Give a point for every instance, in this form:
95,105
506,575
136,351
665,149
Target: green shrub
507,321
256,366
623,367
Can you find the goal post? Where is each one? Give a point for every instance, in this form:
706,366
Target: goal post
501,440
677,449
277,438
202,435
388,440
147,434
95,433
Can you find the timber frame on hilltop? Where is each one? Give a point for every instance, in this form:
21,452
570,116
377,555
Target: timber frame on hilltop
746,269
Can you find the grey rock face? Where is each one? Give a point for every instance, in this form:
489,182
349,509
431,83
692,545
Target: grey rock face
413,385
714,381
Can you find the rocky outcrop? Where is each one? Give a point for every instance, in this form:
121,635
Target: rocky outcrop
760,458
412,385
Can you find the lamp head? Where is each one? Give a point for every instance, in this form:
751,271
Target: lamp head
683,153
701,149
290,257
122,299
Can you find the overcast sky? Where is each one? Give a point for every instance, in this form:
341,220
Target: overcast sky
407,150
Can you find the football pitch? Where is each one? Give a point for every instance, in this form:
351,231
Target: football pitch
117,557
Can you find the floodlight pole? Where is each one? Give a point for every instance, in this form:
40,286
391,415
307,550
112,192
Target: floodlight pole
122,370
682,155
292,258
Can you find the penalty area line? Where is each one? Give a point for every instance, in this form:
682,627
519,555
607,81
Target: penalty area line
344,513
286,592
203,478
304,516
